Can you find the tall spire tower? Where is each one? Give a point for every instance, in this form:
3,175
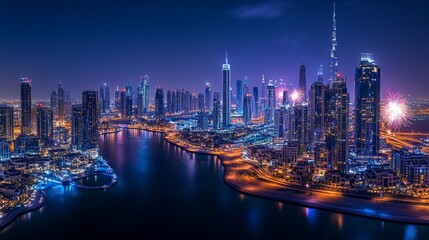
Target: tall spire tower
226,93
333,66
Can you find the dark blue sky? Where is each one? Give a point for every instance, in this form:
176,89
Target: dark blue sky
183,43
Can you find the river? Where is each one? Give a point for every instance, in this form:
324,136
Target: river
164,191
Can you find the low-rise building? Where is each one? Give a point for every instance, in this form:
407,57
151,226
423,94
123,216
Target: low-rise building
418,175
290,153
382,179
402,159
334,178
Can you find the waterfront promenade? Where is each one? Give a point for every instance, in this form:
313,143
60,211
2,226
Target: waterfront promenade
247,177
36,202
38,198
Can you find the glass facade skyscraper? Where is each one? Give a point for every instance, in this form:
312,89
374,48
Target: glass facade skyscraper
317,111
303,81
159,103
26,106
239,98
208,96
90,119
45,124
367,115
255,108
270,104
337,155
145,94
247,109
226,94
216,111
6,122
77,127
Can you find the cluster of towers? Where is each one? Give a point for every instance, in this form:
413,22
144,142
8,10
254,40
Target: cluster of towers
317,122
127,102
315,119
37,122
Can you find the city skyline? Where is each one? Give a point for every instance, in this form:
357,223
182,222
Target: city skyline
191,112
125,51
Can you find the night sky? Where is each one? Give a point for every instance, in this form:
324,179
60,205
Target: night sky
182,44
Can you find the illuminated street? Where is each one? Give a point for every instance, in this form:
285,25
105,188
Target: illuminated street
249,178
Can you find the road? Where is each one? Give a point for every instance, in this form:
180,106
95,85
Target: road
37,201
247,177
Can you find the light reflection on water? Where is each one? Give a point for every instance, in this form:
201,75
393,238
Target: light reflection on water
410,232
241,197
280,206
311,215
340,221
154,189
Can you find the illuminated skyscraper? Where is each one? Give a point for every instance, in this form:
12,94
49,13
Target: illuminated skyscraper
255,108
101,100
202,120
263,95
246,88
90,119
173,102
45,124
25,106
270,104
285,98
6,122
77,127
298,126
333,66
226,94
126,104
179,101
208,96
106,98
129,90
201,101
4,150
216,111
145,94
67,103
194,102
239,98
367,94
117,99
186,96
61,101
159,103
318,92
54,102
320,74
140,99
123,102
247,109
303,81
280,122
338,122
169,102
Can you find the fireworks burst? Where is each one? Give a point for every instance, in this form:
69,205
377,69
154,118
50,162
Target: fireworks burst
395,111
296,96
